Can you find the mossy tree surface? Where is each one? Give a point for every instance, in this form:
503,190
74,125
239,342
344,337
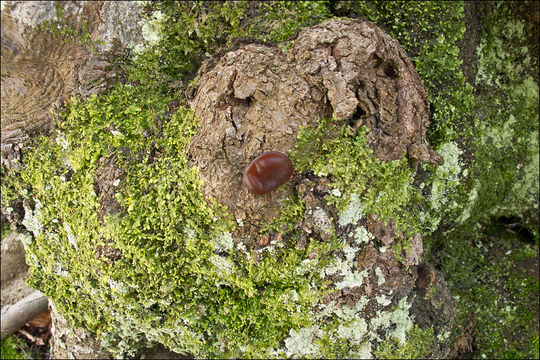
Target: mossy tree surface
181,282
178,280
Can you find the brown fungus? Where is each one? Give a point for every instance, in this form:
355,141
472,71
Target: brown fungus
268,171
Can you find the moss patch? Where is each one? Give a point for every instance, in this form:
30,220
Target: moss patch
508,132
183,34
175,277
11,348
61,27
418,345
495,288
365,184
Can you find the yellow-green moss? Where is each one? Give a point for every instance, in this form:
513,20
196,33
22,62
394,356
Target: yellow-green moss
11,348
365,184
417,346
178,280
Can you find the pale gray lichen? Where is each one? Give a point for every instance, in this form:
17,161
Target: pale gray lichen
62,141
223,242
352,279
399,318
382,300
117,134
189,232
364,352
445,181
473,195
443,336
350,253
289,297
151,30
345,312
361,235
336,192
526,187
353,212
300,343
71,238
118,286
26,238
380,276
345,268
53,238
222,264
242,248
32,219
447,174
355,331
59,270
306,266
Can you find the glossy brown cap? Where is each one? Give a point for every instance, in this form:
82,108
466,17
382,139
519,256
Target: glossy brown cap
268,171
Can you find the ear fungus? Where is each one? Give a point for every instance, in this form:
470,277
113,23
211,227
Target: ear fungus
267,171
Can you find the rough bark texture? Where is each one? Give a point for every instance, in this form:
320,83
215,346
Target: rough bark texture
257,97
39,72
14,270
254,100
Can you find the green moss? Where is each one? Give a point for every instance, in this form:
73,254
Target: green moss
11,348
179,281
417,346
508,132
366,184
181,35
6,229
384,186
493,281
499,180
492,169
281,20
189,32
293,209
